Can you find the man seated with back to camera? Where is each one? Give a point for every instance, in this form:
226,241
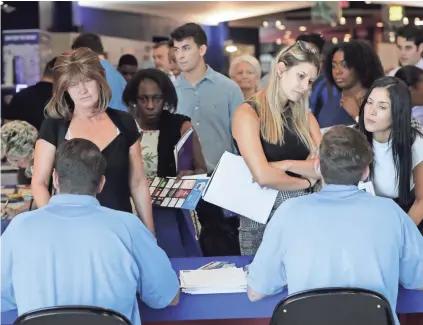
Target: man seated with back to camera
73,251
341,236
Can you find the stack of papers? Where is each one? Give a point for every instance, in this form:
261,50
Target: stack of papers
223,280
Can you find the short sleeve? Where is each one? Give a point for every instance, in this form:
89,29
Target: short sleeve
126,123
49,130
417,150
158,283
411,264
266,274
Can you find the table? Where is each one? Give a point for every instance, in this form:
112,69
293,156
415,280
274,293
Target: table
230,308
175,232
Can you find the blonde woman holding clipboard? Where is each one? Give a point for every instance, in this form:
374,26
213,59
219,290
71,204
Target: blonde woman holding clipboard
277,135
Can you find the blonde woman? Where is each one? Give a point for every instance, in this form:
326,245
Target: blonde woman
277,135
245,70
79,109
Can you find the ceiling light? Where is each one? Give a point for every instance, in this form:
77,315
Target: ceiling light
333,24
278,41
231,49
281,27
342,20
392,39
379,24
278,23
417,21
302,28
358,20
405,21
265,24
368,2
334,40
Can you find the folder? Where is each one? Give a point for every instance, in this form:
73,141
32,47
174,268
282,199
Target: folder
231,187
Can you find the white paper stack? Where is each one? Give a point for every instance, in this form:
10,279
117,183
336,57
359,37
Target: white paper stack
224,280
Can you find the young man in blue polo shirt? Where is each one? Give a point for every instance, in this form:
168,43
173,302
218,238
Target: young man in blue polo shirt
75,252
209,99
340,236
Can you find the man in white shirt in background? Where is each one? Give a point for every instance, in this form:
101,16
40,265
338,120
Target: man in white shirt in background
409,41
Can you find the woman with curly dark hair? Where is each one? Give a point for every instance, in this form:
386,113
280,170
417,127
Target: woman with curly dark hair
353,67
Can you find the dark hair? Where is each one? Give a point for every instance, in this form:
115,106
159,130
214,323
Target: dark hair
410,74
402,134
316,39
90,40
411,33
170,43
344,156
160,44
190,30
79,165
170,97
128,59
358,56
48,70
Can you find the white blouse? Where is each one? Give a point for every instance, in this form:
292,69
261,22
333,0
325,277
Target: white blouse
383,178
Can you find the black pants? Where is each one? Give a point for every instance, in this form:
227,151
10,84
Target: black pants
219,235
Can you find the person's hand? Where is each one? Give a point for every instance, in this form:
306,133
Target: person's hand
351,106
183,173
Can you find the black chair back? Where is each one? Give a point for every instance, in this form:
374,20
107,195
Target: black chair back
334,306
72,315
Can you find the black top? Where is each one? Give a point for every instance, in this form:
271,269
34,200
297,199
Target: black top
170,133
292,148
116,192
28,104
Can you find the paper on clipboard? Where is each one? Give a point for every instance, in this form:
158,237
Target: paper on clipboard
231,187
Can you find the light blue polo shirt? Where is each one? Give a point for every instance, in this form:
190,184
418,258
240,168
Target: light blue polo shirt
75,252
210,104
117,84
339,237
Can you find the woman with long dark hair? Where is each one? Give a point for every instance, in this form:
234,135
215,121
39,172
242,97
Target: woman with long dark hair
397,171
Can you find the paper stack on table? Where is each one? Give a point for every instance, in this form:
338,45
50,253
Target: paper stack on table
222,280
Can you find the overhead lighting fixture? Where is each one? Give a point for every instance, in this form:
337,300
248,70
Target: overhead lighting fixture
265,24
417,21
392,38
278,41
379,24
368,2
302,28
334,40
358,20
405,21
231,49
342,21
281,27
278,23
333,24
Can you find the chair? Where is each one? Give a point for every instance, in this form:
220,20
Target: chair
334,306
72,315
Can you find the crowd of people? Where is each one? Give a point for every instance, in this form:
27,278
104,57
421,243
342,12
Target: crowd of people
107,132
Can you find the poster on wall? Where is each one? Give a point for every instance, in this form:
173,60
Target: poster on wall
25,53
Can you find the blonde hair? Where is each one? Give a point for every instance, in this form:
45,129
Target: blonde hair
270,101
248,59
76,65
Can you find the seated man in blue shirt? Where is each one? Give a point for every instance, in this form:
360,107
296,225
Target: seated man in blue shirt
341,236
75,252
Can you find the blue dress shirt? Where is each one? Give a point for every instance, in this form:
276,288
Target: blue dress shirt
117,84
210,104
339,237
75,252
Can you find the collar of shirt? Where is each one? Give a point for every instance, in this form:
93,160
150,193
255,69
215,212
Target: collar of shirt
209,75
339,190
73,199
